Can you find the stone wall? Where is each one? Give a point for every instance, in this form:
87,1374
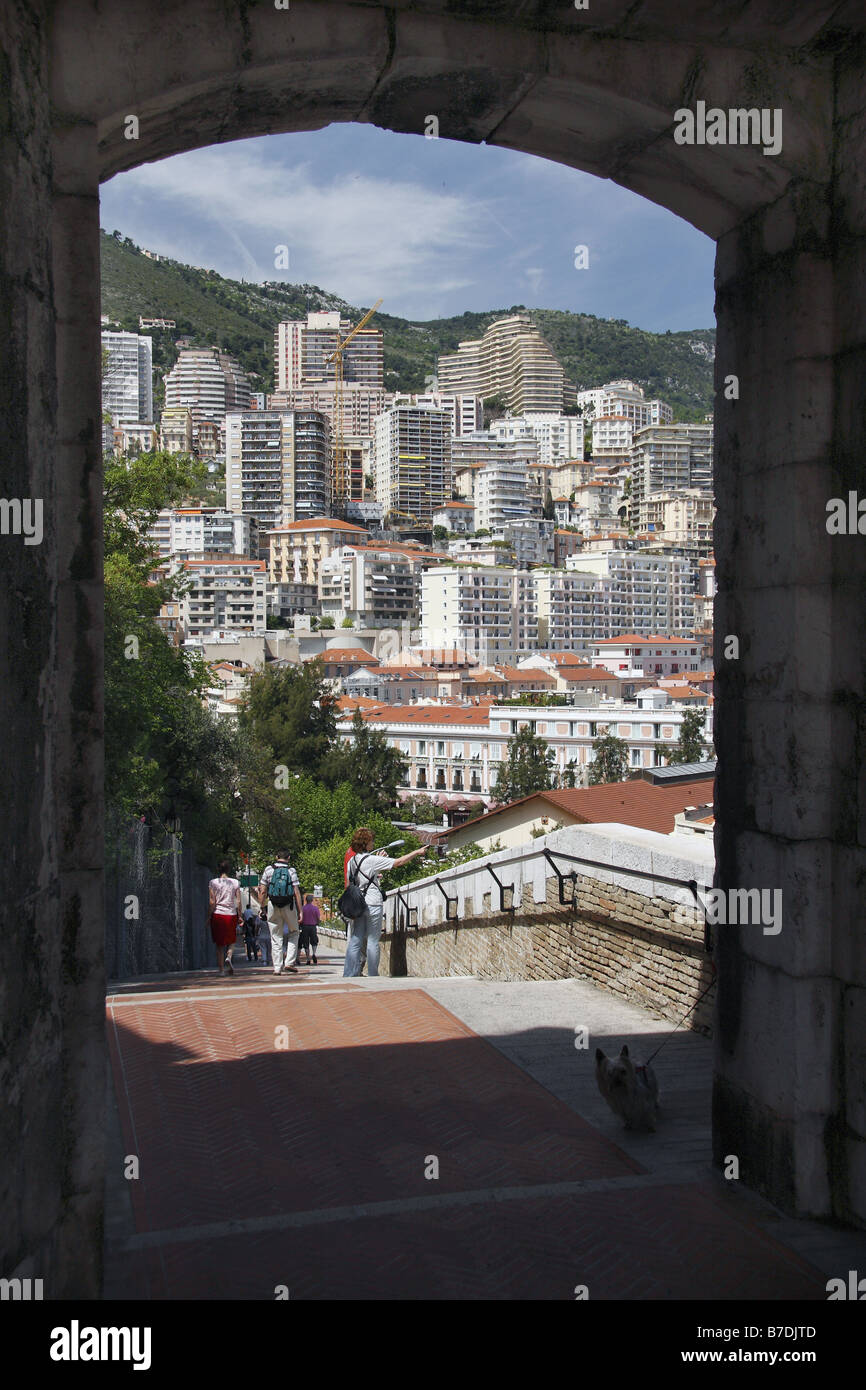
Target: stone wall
624,939
156,908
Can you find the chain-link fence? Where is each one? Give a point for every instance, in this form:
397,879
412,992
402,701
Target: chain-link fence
156,905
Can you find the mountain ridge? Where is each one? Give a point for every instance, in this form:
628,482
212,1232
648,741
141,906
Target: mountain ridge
240,316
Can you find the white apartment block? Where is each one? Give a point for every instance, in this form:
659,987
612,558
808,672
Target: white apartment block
612,434
375,586
670,458
457,517
559,437
635,656
302,348
639,592
503,492
511,360
627,399
127,387
455,748
412,461
278,466
466,410
471,608
209,383
499,611
195,530
226,593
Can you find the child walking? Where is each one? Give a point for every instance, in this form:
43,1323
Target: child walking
310,917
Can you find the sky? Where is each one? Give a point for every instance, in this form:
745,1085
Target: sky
433,227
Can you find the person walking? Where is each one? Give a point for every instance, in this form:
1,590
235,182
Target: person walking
280,890
251,930
364,868
264,935
309,940
224,896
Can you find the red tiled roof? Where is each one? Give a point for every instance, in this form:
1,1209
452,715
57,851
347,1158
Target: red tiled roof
638,803
343,654
318,523
420,714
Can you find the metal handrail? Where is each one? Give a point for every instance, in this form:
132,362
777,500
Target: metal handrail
449,902
503,889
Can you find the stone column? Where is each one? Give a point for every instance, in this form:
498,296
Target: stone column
52,1075
789,1097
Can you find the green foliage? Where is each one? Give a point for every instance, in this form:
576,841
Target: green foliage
368,764
527,769
692,744
326,623
610,761
347,622
440,533
289,713
422,810
548,511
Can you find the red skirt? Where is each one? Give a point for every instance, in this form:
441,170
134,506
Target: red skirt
223,928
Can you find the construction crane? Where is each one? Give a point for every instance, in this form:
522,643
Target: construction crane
340,488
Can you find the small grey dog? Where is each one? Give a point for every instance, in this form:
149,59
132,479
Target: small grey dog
631,1092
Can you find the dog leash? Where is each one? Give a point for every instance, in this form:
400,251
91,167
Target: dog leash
683,1019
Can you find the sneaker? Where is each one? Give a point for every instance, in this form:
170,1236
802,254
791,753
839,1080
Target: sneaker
291,969
229,967
315,960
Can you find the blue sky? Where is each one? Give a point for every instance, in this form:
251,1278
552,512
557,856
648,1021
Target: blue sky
433,227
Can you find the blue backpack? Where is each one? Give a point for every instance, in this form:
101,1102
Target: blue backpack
280,887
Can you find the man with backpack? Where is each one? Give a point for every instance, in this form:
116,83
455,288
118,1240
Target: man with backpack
280,890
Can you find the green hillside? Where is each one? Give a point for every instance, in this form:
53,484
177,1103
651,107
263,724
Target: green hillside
240,317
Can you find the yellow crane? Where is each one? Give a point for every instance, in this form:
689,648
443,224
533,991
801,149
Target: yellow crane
340,482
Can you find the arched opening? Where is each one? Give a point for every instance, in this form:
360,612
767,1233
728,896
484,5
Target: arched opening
597,93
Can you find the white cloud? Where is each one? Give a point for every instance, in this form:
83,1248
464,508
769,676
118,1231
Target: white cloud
359,235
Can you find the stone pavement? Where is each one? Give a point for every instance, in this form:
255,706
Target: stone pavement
287,1130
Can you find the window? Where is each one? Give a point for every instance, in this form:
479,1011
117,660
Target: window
440,750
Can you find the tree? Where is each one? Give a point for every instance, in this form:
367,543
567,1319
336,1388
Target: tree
440,533
326,622
548,512
527,769
610,760
423,810
368,764
289,712
347,622
692,744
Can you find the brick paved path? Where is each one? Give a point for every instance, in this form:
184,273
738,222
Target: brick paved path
298,1158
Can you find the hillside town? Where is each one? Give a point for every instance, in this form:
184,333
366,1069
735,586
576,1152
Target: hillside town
503,552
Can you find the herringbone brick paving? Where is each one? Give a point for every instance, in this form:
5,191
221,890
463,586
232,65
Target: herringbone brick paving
234,1135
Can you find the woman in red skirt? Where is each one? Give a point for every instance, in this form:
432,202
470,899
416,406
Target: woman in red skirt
225,913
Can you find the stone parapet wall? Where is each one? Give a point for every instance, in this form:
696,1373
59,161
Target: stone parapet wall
640,944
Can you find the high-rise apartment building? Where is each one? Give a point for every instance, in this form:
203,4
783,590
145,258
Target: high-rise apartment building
669,458
466,409
639,591
278,466
511,360
412,461
359,407
302,348
374,585
503,492
175,430
209,383
127,387
225,593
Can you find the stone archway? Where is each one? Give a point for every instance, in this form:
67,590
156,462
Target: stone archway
596,89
